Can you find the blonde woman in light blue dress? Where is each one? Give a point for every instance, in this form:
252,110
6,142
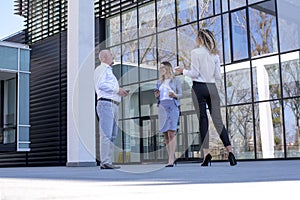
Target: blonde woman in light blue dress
168,92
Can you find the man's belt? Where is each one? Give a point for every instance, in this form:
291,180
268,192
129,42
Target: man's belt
109,100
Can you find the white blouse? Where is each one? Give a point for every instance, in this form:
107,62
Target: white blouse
164,90
205,67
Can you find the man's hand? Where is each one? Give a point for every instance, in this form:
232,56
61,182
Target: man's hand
122,92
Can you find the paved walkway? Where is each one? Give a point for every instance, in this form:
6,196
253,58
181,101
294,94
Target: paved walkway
247,180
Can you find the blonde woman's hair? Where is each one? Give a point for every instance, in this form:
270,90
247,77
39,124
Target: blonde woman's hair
169,71
208,39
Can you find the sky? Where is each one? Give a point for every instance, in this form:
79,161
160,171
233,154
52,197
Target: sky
9,22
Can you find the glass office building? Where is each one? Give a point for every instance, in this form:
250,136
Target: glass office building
259,50
259,43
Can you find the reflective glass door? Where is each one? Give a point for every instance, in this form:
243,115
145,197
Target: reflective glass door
8,113
152,142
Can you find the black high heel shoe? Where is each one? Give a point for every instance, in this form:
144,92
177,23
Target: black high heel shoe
231,159
206,160
172,165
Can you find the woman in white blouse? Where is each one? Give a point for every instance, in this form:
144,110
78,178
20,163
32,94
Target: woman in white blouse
205,70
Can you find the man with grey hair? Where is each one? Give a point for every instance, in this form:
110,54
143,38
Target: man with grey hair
108,99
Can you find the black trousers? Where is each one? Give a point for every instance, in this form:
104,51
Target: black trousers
207,94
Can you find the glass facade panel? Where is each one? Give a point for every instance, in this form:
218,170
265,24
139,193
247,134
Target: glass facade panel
153,142
240,130
289,24
215,144
239,35
290,68
130,63
24,60
269,129
221,87
186,103
226,41
238,83
262,32
217,6
292,126
224,5
186,43
129,25
237,4
131,134
8,111
255,1
118,146
148,101
9,58
266,78
189,139
24,134
167,47
113,28
165,14
147,19
206,8
131,102
148,57
186,11
24,99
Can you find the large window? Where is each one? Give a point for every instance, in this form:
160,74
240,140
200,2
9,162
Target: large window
262,28
289,24
239,35
8,118
14,97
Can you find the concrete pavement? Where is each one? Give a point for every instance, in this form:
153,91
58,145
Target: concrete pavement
247,180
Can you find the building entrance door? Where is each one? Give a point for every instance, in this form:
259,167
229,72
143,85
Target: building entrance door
153,147
188,137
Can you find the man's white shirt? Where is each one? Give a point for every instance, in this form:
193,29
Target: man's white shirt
106,84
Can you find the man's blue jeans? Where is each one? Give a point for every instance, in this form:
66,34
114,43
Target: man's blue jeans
108,113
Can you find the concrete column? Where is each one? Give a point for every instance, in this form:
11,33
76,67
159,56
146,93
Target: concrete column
265,113
81,95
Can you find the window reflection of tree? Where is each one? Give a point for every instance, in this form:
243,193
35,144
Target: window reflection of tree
262,32
262,29
239,118
165,14
186,11
291,87
274,80
277,124
240,125
239,34
167,46
238,87
129,26
205,8
148,50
